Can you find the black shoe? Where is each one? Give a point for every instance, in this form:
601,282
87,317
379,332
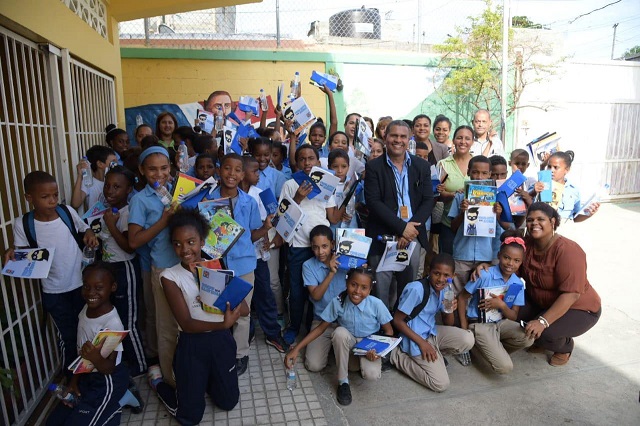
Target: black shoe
446,363
242,364
278,343
386,363
344,394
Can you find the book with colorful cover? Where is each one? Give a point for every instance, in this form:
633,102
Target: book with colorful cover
98,209
191,199
234,293
211,207
223,235
479,221
299,112
288,218
326,181
184,185
544,176
352,246
212,283
394,259
30,263
557,189
209,264
481,195
506,293
112,340
516,204
546,146
269,201
323,79
381,344
206,120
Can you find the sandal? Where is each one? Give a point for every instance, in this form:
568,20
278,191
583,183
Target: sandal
559,359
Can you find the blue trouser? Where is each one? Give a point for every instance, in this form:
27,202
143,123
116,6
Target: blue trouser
203,363
298,294
127,302
264,302
445,240
64,309
99,401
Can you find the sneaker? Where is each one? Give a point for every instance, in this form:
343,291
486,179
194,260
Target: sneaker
278,343
242,364
344,394
289,336
386,363
154,375
464,358
558,359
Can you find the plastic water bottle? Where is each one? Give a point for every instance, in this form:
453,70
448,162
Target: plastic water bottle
265,255
87,177
163,193
139,120
63,394
292,383
219,120
88,256
295,85
263,101
412,146
104,231
183,157
449,295
386,238
350,210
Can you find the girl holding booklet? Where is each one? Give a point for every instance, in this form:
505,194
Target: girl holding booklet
205,356
499,335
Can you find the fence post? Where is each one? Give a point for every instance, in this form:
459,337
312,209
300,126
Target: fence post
146,32
277,23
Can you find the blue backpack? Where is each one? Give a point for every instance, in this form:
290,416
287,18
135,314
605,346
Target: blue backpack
64,213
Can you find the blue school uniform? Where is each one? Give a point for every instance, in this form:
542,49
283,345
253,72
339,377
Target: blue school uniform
471,249
313,273
570,204
424,324
361,320
286,171
145,210
490,278
242,256
273,179
323,152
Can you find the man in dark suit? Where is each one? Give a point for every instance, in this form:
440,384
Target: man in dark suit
399,197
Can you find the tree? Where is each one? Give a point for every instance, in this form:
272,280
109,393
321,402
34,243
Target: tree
524,22
635,50
471,63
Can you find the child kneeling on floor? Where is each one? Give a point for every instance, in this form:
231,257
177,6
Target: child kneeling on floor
359,315
419,355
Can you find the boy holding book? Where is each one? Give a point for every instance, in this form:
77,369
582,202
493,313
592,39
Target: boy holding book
419,355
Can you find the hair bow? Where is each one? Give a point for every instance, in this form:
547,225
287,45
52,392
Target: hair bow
516,240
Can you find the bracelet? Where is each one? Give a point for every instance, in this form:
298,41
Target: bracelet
543,321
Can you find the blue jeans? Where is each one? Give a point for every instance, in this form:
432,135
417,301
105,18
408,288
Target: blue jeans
264,302
64,309
298,294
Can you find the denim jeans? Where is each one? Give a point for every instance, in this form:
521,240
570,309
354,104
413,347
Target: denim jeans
298,294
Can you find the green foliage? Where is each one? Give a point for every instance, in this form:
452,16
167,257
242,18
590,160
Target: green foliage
524,22
635,50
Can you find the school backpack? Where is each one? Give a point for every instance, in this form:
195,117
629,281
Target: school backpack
28,224
420,306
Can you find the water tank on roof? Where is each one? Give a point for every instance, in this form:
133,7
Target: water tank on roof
356,23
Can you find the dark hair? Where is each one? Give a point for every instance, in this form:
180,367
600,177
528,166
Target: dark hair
306,146
186,133
189,217
463,127
98,153
159,119
204,157
418,117
339,132
253,143
566,156
443,259
548,211
100,266
518,152
478,159
335,154
440,118
321,231
381,142
510,233
130,158
369,120
111,132
148,141
232,156
279,146
346,120
400,123
121,170
214,94
318,125
268,132
383,122
203,142
363,271
421,145
36,178
248,159
135,132
497,160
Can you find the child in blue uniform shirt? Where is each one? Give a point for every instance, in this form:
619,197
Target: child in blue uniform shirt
359,315
496,340
324,282
419,355
241,258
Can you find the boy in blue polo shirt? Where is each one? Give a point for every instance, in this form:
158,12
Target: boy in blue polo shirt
324,282
241,258
419,355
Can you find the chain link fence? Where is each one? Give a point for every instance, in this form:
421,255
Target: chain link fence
287,24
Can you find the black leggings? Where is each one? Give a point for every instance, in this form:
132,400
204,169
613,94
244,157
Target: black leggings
559,336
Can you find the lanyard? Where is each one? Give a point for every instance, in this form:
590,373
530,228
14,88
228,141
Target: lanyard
399,181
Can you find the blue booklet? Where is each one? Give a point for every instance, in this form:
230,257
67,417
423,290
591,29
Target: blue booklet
502,198
512,293
234,293
512,183
381,344
269,201
248,104
321,79
300,177
348,262
544,176
244,131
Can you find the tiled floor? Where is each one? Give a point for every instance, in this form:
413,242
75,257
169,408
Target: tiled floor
264,398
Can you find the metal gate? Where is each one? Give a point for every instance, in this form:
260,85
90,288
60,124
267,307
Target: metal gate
52,107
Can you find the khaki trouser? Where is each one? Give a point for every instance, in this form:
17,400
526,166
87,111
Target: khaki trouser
343,342
434,375
166,328
496,341
241,327
274,278
317,354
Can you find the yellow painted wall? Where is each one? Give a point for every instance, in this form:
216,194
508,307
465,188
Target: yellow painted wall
148,81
